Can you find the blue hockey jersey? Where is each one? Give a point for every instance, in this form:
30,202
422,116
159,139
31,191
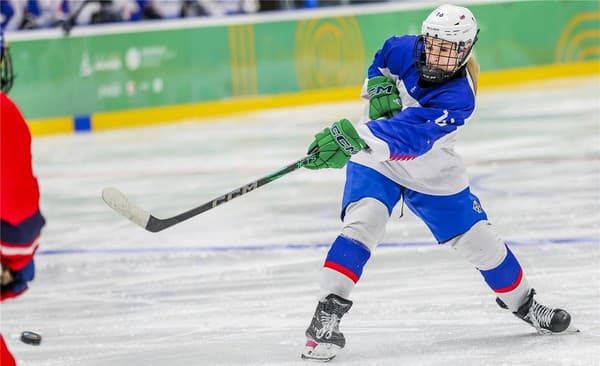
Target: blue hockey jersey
416,146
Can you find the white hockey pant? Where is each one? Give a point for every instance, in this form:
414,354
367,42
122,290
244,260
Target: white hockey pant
364,222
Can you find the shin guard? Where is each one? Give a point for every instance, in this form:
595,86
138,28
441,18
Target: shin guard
347,257
507,281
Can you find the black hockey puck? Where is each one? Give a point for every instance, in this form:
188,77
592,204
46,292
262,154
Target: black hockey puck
30,337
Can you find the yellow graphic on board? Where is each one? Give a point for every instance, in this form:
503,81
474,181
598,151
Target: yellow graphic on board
329,53
580,39
242,60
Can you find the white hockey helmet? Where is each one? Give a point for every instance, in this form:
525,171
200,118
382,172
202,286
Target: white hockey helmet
451,23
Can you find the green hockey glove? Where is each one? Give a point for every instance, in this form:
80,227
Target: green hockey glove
384,99
335,146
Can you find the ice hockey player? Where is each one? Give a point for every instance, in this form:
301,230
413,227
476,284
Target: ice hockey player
421,90
20,217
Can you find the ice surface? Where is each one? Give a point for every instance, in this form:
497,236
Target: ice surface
237,285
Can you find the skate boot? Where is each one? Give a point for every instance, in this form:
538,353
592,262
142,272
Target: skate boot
541,317
323,335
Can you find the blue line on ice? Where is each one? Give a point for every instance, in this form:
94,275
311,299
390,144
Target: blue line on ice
241,248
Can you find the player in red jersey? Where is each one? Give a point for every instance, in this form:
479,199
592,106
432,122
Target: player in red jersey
20,218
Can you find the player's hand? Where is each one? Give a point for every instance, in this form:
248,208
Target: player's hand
7,276
384,99
14,282
335,146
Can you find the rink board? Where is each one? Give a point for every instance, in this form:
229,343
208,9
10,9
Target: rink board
131,75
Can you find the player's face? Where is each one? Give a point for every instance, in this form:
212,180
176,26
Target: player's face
441,54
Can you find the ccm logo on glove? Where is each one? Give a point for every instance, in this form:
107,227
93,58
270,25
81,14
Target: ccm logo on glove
381,90
342,141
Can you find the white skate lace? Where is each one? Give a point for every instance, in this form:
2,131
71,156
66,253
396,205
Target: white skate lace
540,316
330,323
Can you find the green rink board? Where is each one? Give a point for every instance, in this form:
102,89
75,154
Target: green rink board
71,76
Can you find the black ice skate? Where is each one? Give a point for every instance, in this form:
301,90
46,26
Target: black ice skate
544,319
323,335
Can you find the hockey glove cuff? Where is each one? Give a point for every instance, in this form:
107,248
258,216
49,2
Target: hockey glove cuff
384,99
335,146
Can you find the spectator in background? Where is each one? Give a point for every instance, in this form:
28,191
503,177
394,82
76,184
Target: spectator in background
11,14
192,8
240,6
104,11
270,5
44,13
34,14
165,9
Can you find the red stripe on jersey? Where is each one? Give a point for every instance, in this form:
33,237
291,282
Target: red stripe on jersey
402,157
17,256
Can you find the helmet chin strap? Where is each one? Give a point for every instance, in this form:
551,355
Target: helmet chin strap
435,75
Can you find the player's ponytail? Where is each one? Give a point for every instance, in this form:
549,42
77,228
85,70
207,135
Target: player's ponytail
473,71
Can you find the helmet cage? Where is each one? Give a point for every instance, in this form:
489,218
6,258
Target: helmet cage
440,62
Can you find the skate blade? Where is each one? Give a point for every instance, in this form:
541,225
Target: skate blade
319,352
316,359
570,330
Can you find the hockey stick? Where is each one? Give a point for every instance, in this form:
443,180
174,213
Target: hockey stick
120,203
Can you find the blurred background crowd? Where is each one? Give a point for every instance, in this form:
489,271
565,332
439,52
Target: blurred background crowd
35,14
